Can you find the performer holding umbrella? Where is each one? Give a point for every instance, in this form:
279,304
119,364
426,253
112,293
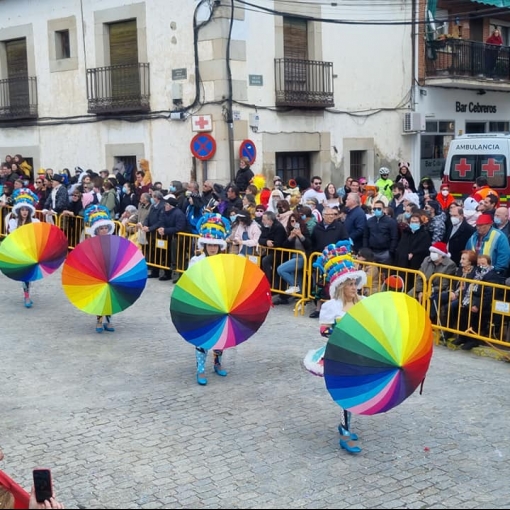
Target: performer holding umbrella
106,273
377,354
32,249
220,300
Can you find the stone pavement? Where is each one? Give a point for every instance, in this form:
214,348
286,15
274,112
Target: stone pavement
122,423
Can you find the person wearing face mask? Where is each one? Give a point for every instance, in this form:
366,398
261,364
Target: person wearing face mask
438,262
308,217
476,309
381,235
458,231
445,198
284,212
501,220
413,247
128,197
151,224
259,211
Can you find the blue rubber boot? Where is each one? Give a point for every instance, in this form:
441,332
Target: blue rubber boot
347,420
108,325
345,440
201,356
217,363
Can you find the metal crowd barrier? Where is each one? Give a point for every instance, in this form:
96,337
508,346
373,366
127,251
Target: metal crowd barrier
380,277
269,259
481,310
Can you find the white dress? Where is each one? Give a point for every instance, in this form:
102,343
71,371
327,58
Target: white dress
331,312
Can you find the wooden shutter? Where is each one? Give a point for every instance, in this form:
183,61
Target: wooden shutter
123,43
295,38
16,51
17,72
125,80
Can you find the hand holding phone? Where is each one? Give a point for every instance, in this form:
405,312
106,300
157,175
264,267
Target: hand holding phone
42,484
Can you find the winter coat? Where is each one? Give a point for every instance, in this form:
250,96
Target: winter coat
322,235
243,178
417,243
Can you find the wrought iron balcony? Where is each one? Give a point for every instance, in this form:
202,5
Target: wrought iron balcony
459,59
118,89
18,98
304,83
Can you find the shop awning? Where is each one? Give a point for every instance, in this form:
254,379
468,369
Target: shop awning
494,3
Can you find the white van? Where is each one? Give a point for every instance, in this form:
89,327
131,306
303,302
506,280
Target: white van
475,155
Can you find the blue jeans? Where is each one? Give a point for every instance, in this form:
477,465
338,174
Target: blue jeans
288,270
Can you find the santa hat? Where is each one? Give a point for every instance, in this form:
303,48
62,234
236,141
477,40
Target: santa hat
98,216
337,264
24,198
439,248
444,186
213,228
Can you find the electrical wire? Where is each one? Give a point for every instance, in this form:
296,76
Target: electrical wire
478,14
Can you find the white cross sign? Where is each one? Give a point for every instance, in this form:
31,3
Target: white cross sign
201,123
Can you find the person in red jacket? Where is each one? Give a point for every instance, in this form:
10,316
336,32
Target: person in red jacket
444,197
494,43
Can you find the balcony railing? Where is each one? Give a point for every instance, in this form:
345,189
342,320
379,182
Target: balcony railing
117,89
18,98
458,58
304,83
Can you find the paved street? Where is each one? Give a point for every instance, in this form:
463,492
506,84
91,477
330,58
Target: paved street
122,423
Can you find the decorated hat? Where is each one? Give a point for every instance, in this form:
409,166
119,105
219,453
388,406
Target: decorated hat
24,198
338,266
41,171
98,216
439,248
213,228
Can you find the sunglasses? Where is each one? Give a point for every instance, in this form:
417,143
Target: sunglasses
38,182
377,208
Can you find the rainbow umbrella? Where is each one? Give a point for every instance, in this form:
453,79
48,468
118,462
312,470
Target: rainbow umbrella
104,275
220,302
378,353
32,252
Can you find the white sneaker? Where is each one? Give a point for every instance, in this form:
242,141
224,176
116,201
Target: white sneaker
293,290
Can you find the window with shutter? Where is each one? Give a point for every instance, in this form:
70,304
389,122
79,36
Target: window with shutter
17,73
295,38
125,79
295,48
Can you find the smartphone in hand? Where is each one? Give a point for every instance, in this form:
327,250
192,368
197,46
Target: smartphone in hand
42,485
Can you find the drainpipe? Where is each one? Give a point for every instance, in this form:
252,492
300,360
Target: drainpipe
229,113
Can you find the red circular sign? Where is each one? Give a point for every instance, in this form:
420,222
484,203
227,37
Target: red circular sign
203,146
248,150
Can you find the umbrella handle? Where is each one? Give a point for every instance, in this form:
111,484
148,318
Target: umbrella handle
421,385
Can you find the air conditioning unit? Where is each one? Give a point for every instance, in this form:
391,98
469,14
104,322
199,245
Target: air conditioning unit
413,122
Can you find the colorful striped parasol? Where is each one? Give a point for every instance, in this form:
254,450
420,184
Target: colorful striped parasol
104,275
32,252
220,302
379,353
